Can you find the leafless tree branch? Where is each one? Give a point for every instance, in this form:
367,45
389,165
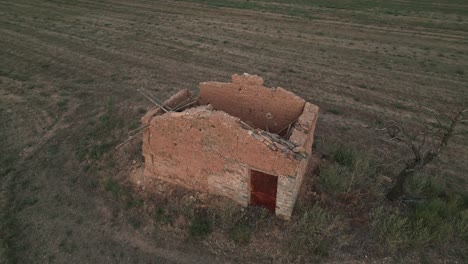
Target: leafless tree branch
425,146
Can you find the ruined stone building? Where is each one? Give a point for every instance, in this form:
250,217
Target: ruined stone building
241,140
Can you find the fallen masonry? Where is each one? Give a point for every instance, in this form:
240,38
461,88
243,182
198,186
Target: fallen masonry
240,140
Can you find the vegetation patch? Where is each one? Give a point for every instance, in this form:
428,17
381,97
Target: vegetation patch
241,233
350,170
200,225
312,232
163,216
436,221
334,111
113,187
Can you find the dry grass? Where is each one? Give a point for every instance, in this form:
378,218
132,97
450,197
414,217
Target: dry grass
68,75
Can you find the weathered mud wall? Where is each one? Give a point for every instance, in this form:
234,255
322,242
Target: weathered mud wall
206,148
209,151
259,106
303,136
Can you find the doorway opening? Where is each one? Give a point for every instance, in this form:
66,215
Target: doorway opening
263,188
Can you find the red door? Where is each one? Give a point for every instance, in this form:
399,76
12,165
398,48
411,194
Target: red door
263,190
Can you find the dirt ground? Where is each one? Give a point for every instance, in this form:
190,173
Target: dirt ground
69,71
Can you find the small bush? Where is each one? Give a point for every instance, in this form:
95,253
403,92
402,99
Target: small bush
241,233
229,215
200,226
255,215
62,105
163,216
134,202
350,171
343,155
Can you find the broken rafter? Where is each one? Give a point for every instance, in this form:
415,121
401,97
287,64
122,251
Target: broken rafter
289,131
270,143
131,133
274,141
278,139
178,108
154,101
290,125
181,105
164,107
131,137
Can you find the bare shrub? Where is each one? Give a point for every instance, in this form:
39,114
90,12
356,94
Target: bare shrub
424,145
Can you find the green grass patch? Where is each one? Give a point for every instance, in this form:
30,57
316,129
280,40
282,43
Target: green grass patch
334,111
246,222
134,202
350,170
161,215
436,221
313,231
241,233
87,80
102,136
363,86
8,230
113,187
426,186
344,155
63,104
400,106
